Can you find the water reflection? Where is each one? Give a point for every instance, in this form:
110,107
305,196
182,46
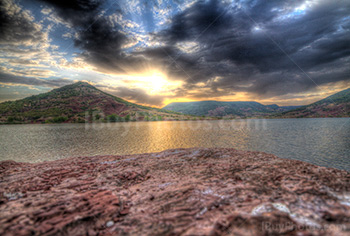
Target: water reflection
324,142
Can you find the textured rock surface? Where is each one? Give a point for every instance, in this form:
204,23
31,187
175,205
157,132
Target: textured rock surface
180,191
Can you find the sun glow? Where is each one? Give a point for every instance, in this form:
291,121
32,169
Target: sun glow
153,82
157,82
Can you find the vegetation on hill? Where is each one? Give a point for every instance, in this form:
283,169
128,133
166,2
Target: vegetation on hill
336,105
222,109
79,102
82,102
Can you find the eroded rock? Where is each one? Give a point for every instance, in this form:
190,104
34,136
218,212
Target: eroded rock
175,192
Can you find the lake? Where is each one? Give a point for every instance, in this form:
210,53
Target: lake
323,141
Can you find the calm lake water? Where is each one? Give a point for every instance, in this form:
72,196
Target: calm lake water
324,142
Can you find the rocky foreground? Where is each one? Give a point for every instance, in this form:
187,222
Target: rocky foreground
175,192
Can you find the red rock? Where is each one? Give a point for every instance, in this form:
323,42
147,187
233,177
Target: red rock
175,192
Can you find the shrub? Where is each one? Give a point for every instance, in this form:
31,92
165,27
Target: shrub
113,118
59,119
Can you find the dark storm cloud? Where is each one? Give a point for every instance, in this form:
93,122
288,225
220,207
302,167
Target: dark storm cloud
17,26
268,44
203,18
260,47
100,40
226,31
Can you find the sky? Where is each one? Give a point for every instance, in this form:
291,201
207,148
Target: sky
291,52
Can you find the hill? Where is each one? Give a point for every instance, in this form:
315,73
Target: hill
336,105
79,102
217,108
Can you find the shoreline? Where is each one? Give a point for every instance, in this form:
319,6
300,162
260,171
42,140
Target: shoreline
213,119
206,191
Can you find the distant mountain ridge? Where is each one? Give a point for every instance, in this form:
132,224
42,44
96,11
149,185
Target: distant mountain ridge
218,108
81,102
78,102
336,105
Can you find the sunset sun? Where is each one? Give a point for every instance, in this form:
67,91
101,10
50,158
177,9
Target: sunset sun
158,83
153,82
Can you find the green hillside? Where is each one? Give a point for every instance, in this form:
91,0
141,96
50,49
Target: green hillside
336,105
79,102
217,108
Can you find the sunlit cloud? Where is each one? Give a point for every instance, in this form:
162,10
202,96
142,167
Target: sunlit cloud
156,52
152,82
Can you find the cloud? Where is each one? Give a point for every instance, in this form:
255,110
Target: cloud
25,48
17,27
136,95
267,49
262,47
10,79
101,39
42,73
